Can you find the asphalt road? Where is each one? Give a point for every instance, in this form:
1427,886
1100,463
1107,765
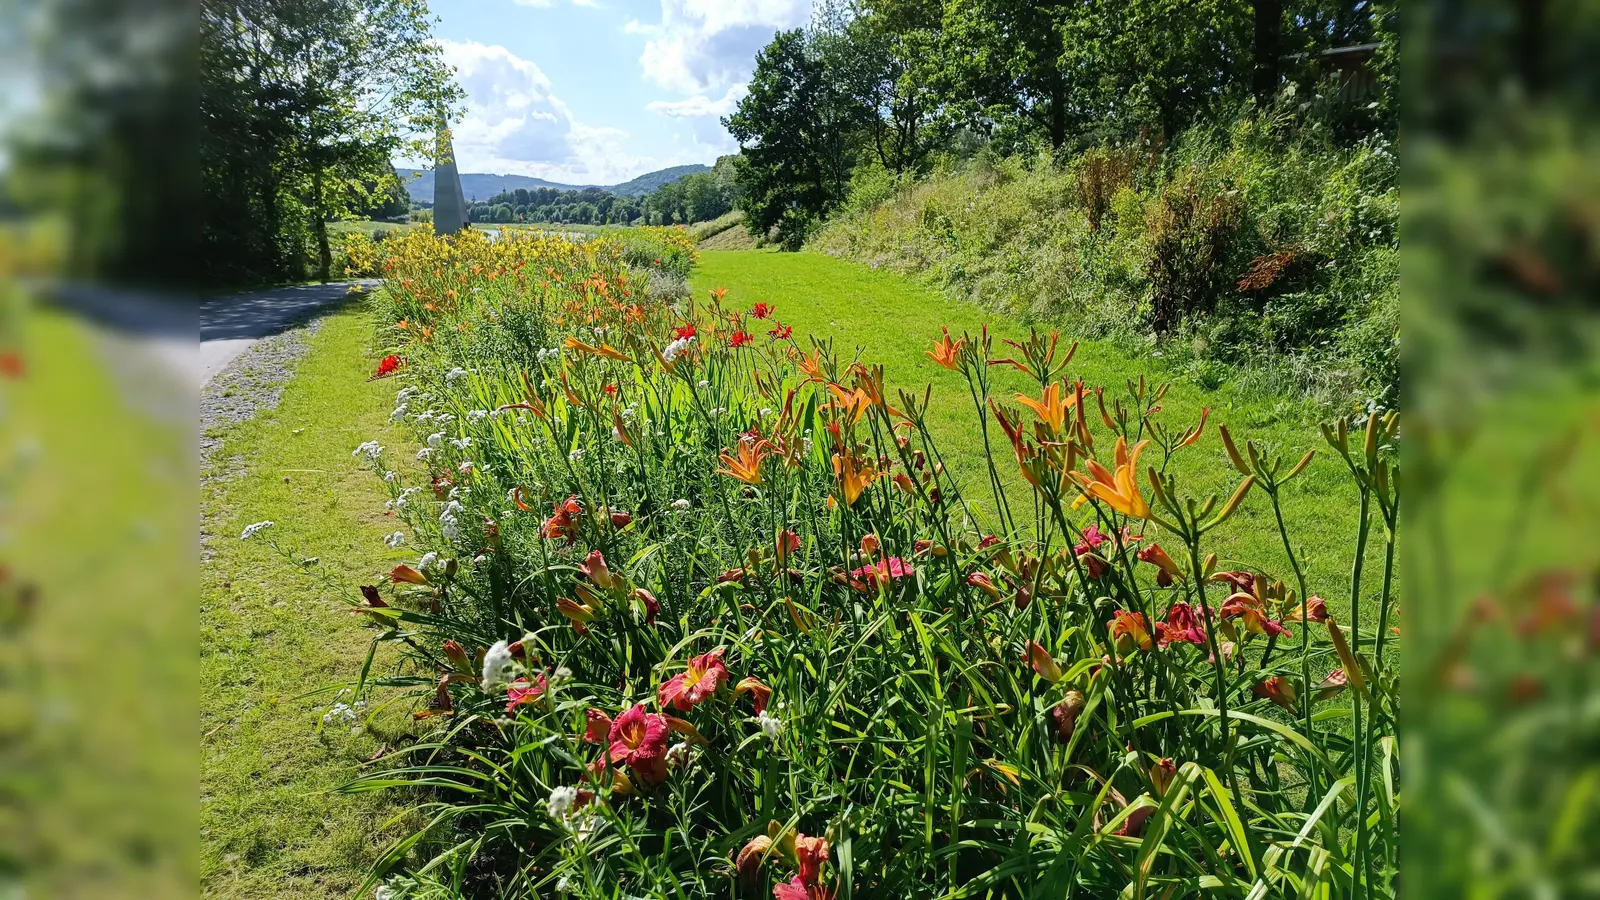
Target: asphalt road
229,325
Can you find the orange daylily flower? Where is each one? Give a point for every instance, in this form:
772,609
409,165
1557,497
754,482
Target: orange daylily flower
852,403
946,352
811,364
1050,408
1128,631
854,475
605,350
746,466
1120,489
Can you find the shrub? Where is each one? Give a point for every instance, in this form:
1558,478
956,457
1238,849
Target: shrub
701,613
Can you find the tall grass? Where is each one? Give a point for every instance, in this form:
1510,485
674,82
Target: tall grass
1234,249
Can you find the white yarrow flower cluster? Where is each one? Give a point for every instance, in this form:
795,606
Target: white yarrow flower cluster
681,505
449,521
560,803
477,415
456,375
551,353
499,667
428,561
461,443
395,540
436,440
675,349
252,530
370,449
771,726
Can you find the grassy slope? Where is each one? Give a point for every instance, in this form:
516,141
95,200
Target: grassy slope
272,630
894,321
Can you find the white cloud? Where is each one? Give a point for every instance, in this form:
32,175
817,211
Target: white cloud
702,106
701,46
515,124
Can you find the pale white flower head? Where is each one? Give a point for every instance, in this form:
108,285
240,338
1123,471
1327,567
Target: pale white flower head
428,561
370,449
499,667
561,800
436,440
456,374
254,529
681,505
771,726
395,540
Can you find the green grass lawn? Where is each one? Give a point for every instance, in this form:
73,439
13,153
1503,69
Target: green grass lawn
273,629
895,321
97,763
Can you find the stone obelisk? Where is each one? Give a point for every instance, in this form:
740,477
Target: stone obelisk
449,202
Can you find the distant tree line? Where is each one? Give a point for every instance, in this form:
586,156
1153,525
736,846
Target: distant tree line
895,83
694,198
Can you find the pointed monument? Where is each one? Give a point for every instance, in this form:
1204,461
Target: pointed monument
449,202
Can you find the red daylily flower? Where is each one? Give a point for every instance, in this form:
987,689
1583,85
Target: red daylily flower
788,542
762,310
563,523
1316,611
639,740
1181,625
683,332
694,685
1085,551
523,691
811,853
1279,690
387,366
796,889
781,332
881,573
1043,663
739,339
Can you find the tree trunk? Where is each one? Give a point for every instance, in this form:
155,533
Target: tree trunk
320,224
1268,24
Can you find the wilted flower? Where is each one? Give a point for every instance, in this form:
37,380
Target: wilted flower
652,606
563,522
1169,571
1065,715
984,583
1331,686
756,689
1085,551
703,677
748,863
1162,774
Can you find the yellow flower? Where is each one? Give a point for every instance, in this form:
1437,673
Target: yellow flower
1120,489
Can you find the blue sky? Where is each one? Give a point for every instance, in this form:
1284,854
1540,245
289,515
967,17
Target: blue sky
599,91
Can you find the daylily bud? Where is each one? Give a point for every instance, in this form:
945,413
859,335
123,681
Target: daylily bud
620,520
457,655
1043,663
1278,689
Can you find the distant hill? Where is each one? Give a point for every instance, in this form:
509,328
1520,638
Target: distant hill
481,187
648,182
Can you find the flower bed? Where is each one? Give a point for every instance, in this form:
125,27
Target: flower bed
698,612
